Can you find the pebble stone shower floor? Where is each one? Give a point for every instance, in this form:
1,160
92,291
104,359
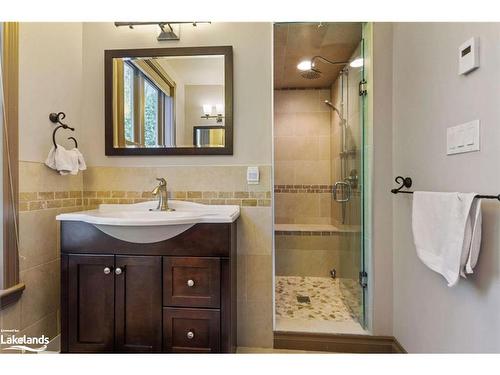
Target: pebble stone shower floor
326,300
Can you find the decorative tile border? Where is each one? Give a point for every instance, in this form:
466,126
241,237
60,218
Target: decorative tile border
311,189
240,198
303,188
306,233
32,201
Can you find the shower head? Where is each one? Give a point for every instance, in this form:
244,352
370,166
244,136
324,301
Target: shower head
311,74
329,104
308,70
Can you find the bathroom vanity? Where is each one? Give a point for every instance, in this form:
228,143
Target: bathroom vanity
171,290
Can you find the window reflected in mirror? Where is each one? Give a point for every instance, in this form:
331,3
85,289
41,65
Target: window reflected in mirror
169,102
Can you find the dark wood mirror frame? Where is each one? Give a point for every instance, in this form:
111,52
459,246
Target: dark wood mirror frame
226,51
12,287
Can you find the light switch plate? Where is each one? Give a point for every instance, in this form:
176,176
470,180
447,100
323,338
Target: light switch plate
253,176
463,138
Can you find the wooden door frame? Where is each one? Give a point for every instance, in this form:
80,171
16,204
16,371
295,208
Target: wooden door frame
13,288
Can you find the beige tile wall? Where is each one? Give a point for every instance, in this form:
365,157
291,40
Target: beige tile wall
214,184
313,255
302,154
37,312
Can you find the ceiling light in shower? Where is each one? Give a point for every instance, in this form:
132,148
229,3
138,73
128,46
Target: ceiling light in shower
304,65
356,63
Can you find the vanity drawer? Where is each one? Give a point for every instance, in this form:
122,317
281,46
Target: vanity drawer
191,330
191,282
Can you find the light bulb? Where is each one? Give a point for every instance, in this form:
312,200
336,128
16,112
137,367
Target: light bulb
304,65
207,109
356,63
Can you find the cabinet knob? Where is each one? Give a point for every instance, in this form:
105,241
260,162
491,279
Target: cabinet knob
190,283
190,335
107,270
118,271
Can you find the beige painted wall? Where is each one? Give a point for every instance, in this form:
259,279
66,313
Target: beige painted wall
49,81
252,88
379,146
430,96
195,96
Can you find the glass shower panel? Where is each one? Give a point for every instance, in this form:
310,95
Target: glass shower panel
351,260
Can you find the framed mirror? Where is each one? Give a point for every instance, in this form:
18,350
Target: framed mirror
169,101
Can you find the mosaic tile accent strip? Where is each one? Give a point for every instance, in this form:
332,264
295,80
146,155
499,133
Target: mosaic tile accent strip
309,189
325,294
303,188
306,233
240,198
32,201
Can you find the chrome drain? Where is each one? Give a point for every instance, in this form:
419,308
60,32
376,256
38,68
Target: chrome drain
303,299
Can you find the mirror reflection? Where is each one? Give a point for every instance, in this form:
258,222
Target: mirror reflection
169,102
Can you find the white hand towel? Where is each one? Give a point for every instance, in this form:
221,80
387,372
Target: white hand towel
51,158
446,232
66,161
81,161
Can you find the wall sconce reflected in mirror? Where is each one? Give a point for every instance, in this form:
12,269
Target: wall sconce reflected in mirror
207,112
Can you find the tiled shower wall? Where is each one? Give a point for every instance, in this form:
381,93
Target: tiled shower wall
350,101
302,156
44,194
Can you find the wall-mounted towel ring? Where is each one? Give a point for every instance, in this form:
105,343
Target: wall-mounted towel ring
76,143
56,119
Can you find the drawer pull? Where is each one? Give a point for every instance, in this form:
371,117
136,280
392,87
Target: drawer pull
190,283
107,270
190,335
118,271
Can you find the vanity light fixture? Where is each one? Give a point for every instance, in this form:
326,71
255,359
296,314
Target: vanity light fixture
167,31
219,109
207,111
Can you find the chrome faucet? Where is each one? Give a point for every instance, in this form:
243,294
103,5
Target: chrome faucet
161,192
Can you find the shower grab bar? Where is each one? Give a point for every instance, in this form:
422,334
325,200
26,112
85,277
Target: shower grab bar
406,182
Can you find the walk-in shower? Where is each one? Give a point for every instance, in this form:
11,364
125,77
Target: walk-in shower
317,173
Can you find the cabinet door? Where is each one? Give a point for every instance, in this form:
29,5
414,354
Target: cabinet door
138,310
90,303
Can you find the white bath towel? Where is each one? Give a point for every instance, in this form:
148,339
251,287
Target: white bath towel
65,161
447,232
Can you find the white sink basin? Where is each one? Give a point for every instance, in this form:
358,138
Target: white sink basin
136,223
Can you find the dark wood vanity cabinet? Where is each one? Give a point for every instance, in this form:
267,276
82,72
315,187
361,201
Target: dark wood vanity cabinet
178,295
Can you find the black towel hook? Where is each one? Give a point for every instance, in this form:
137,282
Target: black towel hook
56,119
405,182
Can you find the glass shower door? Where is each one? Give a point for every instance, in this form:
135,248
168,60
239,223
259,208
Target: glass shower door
353,281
